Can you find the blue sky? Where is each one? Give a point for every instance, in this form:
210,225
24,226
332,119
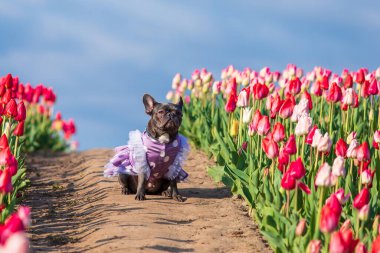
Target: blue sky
102,56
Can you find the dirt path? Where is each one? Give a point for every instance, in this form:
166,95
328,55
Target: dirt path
76,209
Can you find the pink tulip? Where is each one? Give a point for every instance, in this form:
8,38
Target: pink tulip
304,125
342,242
278,133
243,98
324,176
287,107
5,181
352,149
376,139
366,176
270,148
255,120
314,246
324,144
316,138
341,148
351,137
16,243
342,197
363,153
301,227
330,215
360,248
338,169
363,212
348,97
263,126
310,135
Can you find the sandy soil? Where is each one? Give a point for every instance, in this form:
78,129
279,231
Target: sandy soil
76,209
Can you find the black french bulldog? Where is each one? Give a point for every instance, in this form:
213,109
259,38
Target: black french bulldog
163,125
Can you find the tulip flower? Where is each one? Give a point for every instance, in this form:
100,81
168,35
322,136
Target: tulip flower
304,125
376,245
300,109
366,176
324,144
363,213
330,215
4,142
361,199
301,227
21,112
338,169
314,246
363,153
68,128
360,248
310,135
270,148
231,103
283,160
247,113
352,149
275,105
348,97
351,137
348,81
364,91
16,243
376,139
342,241
260,91
234,128
316,138
263,126
291,146
316,89
19,130
306,95
295,86
342,197
5,181
297,169
334,94
243,98
278,133
11,109
373,89
324,176
256,119
289,182
287,107
341,148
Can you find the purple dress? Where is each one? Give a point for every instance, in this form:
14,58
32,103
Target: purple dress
155,159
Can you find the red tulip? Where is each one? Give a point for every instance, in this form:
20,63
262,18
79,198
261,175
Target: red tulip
291,146
342,242
255,120
330,215
283,157
341,148
363,153
316,89
361,199
287,107
270,148
69,128
6,97
334,94
295,86
231,103
307,96
21,112
263,126
348,81
12,225
260,91
360,76
8,82
373,89
310,135
304,188
376,245
5,181
4,142
297,169
8,160
19,130
278,133
356,100
11,109
364,91
325,82
288,182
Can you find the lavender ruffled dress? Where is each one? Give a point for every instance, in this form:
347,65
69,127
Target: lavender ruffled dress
155,159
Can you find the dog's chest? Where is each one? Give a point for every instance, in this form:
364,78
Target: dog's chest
160,155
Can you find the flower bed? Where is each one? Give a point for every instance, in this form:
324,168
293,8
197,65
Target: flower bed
302,150
25,126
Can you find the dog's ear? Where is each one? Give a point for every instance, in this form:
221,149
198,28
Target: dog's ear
180,102
149,103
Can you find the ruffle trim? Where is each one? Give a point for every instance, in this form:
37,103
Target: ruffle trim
139,153
175,170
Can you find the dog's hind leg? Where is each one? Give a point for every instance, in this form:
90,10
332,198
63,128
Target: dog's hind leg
128,184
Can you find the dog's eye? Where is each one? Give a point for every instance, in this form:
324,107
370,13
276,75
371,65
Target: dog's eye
179,113
161,111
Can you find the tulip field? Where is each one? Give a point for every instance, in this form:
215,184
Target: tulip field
302,149
25,126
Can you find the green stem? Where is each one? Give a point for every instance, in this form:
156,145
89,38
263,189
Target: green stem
287,202
347,119
303,147
15,150
316,231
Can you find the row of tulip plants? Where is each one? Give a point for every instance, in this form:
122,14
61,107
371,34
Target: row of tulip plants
25,126
301,149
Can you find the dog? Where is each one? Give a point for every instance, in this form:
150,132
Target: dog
151,162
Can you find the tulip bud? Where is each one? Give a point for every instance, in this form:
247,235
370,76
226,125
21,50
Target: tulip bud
5,181
301,227
234,128
360,248
247,113
361,199
11,109
363,213
346,225
314,246
291,146
170,95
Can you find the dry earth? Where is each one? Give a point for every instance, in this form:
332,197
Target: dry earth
76,209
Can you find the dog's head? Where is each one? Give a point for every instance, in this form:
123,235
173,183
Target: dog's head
165,118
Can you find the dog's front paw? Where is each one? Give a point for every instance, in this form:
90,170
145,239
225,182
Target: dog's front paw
140,196
167,193
179,198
